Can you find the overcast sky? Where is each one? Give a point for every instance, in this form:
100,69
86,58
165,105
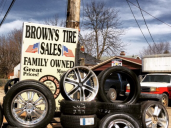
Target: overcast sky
37,11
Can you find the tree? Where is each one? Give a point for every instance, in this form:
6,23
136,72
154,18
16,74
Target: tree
10,51
104,28
157,48
55,21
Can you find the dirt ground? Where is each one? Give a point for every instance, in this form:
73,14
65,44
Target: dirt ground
54,123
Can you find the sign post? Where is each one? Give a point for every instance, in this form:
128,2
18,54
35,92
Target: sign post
47,53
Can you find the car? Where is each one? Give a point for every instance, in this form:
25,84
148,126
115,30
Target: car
115,86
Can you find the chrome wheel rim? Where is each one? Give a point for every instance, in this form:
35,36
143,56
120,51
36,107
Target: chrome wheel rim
164,101
120,123
80,84
29,107
156,117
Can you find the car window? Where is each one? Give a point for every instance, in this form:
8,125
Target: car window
157,78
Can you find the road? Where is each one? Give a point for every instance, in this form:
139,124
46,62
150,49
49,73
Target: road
57,125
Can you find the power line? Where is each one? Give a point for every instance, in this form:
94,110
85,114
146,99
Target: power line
147,25
7,12
3,7
149,13
138,25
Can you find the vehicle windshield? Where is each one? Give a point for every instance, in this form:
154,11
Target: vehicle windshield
157,78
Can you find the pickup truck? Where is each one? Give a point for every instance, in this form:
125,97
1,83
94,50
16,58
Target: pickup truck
156,86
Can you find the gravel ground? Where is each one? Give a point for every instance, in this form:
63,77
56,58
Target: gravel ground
57,125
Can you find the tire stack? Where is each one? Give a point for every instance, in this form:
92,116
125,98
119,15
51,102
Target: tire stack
84,110
125,113
78,109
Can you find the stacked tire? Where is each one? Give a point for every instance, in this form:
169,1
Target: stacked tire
125,112
29,104
85,111
78,109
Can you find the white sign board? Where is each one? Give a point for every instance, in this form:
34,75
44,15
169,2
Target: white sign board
117,62
157,64
47,52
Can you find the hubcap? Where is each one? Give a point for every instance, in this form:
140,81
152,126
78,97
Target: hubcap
156,116
120,123
29,107
80,83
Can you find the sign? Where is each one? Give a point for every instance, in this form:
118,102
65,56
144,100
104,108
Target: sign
116,62
47,53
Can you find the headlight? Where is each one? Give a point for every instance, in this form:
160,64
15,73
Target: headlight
154,89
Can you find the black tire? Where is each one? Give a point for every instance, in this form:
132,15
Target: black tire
119,119
132,79
106,108
31,87
73,121
165,99
78,107
9,84
1,115
79,84
152,111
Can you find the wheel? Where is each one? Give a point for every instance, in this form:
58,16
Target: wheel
79,84
9,84
29,104
106,108
119,120
154,115
1,115
131,79
165,100
78,107
81,121
112,94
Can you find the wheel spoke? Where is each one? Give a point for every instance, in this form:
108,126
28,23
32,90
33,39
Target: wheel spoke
40,103
74,90
82,95
32,95
77,73
21,98
20,112
157,111
149,112
89,88
28,117
37,113
154,125
160,124
87,77
70,81
162,119
149,123
40,98
18,109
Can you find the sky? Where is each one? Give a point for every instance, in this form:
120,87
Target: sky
37,11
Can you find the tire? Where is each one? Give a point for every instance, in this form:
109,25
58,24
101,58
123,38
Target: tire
78,107
112,94
82,121
29,104
154,113
1,115
106,108
79,84
165,100
132,79
9,84
119,120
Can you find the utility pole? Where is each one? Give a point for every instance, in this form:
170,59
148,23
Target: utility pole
73,21
73,14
